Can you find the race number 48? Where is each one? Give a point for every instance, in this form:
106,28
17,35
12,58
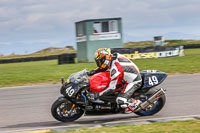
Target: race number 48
153,80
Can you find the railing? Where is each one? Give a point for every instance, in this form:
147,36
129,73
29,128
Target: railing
62,59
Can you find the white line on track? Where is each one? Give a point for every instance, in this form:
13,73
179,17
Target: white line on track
99,125
28,87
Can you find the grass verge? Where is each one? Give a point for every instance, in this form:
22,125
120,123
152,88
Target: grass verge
38,54
167,43
189,126
49,72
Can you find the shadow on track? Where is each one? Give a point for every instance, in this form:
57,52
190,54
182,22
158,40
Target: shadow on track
82,122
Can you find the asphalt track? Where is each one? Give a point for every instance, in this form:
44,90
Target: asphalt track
28,108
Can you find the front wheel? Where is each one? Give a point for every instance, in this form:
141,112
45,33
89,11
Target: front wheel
153,108
65,111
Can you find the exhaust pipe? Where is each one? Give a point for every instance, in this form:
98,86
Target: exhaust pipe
151,100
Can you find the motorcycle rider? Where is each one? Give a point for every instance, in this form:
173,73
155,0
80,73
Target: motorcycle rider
121,68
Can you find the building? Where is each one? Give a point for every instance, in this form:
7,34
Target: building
159,41
92,34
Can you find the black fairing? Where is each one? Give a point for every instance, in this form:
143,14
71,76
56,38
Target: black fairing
152,78
71,90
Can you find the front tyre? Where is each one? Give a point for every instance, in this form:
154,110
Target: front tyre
65,111
153,108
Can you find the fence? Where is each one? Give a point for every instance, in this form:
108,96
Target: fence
191,46
64,58
150,52
69,58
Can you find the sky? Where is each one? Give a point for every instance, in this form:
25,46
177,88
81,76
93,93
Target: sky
27,26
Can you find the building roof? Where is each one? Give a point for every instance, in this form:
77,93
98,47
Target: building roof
101,19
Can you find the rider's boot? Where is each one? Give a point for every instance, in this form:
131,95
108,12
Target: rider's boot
130,106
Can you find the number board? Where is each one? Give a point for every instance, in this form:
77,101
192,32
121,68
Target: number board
153,78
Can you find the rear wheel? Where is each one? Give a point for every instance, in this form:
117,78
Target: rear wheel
65,111
153,108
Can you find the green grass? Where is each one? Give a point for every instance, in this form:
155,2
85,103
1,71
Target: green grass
168,43
189,126
192,51
49,72
181,42
37,72
37,54
138,44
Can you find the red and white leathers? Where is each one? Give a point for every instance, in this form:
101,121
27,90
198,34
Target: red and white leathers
122,68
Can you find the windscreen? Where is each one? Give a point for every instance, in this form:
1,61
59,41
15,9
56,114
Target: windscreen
78,76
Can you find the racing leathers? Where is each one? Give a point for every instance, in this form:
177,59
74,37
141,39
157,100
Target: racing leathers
121,68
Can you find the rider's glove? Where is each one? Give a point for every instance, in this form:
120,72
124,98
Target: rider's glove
90,73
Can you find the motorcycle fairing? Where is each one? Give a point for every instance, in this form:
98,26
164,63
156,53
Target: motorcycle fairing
101,80
70,90
152,78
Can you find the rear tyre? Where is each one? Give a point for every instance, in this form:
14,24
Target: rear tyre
65,111
153,108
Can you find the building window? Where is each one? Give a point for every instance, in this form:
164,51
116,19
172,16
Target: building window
105,27
80,30
97,27
113,26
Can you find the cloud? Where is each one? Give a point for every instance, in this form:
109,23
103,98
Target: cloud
51,14
5,43
28,20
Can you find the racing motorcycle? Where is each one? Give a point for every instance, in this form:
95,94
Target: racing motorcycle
80,95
